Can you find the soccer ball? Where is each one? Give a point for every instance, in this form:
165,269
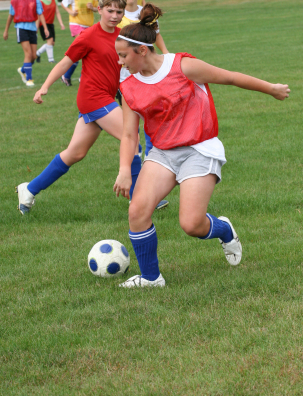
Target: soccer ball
108,258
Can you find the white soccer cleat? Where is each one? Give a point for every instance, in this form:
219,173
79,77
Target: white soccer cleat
232,249
23,75
138,281
30,83
26,198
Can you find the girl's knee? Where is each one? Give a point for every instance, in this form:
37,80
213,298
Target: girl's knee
138,215
195,227
77,157
135,212
71,158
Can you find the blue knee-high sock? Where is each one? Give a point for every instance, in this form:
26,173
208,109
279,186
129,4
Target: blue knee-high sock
51,173
135,170
70,71
148,144
27,69
218,229
145,246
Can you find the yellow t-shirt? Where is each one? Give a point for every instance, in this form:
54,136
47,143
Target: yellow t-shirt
130,17
125,21
85,16
140,2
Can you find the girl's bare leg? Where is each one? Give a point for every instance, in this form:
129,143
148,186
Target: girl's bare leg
154,183
82,140
195,194
33,51
26,46
112,123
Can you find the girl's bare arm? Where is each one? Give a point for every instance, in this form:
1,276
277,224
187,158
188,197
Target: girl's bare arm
201,72
60,69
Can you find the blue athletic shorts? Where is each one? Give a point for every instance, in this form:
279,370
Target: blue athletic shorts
100,113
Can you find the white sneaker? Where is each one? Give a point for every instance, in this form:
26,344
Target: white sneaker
138,281
23,75
232,249
26,198
30,83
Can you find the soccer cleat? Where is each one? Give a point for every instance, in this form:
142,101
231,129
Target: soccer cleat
232,249
30,83
52,61
138,281
38,59
23,75
26,198
162,204
66,81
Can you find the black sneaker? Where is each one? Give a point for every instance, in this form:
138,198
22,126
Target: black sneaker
38,59
162,204
66,81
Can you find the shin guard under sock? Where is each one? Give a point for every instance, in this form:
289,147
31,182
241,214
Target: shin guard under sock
145,246
51,173
218,229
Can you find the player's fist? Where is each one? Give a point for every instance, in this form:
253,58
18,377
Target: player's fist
38,95
280,91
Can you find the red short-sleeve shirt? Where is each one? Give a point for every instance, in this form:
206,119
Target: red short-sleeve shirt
100,70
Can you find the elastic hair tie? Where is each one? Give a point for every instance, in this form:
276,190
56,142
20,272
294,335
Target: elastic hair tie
135,41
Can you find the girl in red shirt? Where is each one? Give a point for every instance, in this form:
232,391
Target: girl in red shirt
171,94
97,107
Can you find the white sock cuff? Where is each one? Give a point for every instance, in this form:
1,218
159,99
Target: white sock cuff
41,50
50,52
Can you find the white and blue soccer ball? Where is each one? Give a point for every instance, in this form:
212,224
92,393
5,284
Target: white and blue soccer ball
108,258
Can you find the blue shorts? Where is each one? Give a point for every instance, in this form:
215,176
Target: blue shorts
100,113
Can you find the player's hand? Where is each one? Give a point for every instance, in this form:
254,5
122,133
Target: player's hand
62,27
46,32
280,91
5,35
38,95
89,6
73,13
123,184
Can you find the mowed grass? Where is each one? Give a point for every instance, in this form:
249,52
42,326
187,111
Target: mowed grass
215,329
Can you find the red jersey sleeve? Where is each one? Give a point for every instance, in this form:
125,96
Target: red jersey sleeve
79,48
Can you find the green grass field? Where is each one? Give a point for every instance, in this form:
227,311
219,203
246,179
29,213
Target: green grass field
214,330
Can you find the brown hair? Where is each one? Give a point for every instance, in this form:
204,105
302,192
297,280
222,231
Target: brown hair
145,30
108,3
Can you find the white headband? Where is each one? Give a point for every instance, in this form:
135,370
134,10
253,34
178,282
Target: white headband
135,41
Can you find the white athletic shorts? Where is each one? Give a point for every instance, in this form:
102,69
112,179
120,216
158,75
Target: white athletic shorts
186,162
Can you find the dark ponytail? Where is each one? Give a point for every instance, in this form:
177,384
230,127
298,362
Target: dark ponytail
145,30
